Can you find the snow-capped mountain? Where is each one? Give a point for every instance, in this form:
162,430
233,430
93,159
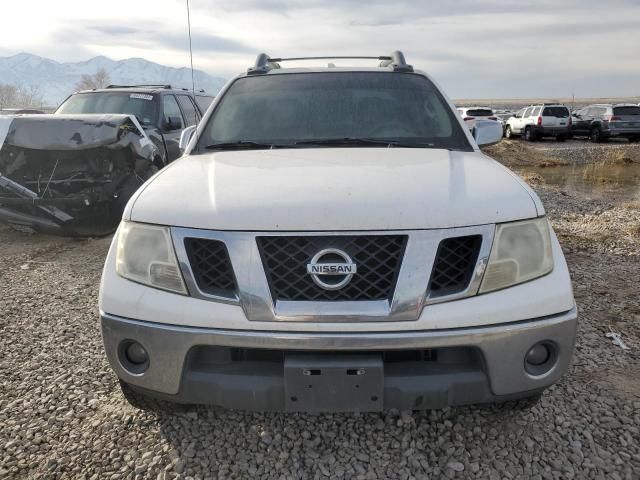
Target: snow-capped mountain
56,80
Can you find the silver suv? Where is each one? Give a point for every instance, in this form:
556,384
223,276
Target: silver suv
604,121
538,121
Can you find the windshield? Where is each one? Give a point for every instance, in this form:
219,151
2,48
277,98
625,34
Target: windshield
627,110
558,112
285,109
139,104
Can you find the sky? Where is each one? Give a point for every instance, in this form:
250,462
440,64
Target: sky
473,49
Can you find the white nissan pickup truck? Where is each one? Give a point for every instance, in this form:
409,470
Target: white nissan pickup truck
333,239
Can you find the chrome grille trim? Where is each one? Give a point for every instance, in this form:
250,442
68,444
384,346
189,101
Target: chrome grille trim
410,295
378,259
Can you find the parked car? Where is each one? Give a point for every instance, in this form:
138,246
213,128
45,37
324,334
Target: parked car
163,111
538,121
72,173
470,114
603,121
340,243
503,118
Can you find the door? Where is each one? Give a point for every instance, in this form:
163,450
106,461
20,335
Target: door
555,116
521,119
581,121
172,125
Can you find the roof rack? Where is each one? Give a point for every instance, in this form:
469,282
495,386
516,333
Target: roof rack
156,85
396,61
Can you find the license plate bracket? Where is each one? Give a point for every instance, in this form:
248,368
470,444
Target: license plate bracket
336,383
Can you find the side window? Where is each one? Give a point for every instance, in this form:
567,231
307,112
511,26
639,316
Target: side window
527,112
536,111
190,114
520,113
171,110
203,102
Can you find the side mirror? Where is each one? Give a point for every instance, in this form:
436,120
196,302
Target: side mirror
172,123
487,132
185,137
577,115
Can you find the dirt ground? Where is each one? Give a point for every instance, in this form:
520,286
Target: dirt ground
62,414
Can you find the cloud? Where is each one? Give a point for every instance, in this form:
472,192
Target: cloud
156,35
478,48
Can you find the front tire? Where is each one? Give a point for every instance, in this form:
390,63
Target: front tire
146,403
595,135
508,134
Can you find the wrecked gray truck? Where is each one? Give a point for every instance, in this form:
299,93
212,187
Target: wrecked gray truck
72,175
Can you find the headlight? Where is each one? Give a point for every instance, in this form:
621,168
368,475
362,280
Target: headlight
521,251
145,255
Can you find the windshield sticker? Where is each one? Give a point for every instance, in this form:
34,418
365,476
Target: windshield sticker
141,96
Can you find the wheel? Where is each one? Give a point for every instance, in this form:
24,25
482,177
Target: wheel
596,135
529,135
148,404
508,133
561,138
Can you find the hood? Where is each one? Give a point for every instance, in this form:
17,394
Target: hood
333,189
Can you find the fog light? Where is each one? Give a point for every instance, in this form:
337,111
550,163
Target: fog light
538,354
136,353
133,357
541,358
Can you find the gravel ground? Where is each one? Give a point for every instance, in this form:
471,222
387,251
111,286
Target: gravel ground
583,152
62,414
548,152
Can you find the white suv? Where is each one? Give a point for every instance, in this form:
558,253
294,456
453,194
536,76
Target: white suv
471,114
539,121
333,239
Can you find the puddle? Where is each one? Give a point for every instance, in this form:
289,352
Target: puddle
606,181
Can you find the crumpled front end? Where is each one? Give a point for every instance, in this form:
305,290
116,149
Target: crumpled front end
71,175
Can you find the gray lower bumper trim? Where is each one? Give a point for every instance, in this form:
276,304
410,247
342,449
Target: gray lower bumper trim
502,347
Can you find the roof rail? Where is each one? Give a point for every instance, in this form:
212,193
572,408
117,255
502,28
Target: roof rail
396,61
157,85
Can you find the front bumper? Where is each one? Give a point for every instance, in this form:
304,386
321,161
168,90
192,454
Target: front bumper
240,369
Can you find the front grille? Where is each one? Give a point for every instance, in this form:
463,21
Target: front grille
211,266
378,259
454,264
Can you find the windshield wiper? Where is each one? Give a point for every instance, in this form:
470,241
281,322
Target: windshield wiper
241,144
363,141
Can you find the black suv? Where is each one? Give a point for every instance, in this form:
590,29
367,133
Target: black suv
163,111
604,121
